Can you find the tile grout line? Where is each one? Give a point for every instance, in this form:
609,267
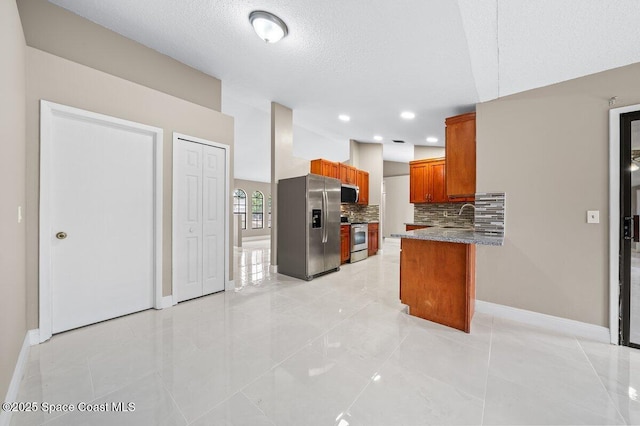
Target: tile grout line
486,384
601,382
242,389
300,349
381,365
172,397
259,409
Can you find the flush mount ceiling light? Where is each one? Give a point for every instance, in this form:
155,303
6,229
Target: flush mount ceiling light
344,117
377,138
408,115
268,26
432,139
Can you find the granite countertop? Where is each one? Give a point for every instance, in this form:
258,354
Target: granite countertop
358,223
453,235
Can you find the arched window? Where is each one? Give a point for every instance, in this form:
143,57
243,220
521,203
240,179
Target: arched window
269,211
240,206
257,210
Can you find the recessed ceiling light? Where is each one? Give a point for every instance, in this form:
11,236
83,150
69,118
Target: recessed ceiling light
408,115
377,138
344,117
432,139
268,26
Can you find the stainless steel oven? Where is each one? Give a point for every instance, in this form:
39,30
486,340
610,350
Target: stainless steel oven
359,241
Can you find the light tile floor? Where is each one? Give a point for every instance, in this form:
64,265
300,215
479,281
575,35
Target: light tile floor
337,350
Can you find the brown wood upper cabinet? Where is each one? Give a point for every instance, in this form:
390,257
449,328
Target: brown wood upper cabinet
348,174
324,167
427,181
460,152
363,183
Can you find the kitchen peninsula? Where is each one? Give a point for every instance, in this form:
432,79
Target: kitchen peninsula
437,273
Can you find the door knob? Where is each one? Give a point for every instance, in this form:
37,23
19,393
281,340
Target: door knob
61,235
190,229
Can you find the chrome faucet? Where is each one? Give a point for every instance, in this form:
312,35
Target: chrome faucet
466,205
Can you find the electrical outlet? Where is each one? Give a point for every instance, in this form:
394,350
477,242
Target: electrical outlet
593,216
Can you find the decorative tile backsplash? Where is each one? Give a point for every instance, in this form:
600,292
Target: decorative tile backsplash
490,212
361,213
443,214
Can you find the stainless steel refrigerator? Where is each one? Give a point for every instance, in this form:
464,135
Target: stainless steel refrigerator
308,235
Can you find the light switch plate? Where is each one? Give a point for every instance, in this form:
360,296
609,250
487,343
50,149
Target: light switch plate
593,216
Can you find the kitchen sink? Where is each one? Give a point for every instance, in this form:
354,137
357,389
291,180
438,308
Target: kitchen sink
457,227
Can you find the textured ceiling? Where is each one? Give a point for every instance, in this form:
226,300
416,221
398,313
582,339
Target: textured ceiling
371,59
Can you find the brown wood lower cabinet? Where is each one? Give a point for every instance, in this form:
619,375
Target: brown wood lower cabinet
345,243
373,238
412,227
437,281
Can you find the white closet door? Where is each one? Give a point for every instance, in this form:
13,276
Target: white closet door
102,221
189,233
200,252
213,218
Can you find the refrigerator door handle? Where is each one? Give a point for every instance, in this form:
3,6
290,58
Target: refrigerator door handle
325,204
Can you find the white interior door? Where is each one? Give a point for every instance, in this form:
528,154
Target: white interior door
101,195
213,194
199,195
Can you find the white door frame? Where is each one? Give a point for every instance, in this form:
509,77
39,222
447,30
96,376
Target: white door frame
48,110
174,225
614,217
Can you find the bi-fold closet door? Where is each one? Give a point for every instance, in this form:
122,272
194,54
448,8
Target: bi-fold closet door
199,206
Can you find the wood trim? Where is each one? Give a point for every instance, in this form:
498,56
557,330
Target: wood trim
460,118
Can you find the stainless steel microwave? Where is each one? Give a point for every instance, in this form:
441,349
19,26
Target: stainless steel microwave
350,194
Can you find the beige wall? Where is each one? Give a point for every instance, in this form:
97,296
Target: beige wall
394,168
370,160
548,150
250,186
13,316
55,30
62,81
397,208
421,152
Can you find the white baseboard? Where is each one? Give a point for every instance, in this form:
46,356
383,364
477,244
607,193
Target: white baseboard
34,336
167,302
257,238
563,325
31,338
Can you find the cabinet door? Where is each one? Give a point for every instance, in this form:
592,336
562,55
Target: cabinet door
363,184
316,166
331,169
438,189
352,175
373,239
344,173
324,167
418,191
461,155
345,240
